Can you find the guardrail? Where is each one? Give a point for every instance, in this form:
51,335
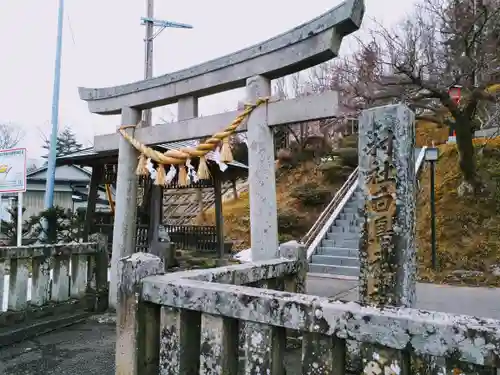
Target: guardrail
308,239
195,322
317,232
43,286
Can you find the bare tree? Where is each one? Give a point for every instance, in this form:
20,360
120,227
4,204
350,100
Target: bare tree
10,136
444,43
448,44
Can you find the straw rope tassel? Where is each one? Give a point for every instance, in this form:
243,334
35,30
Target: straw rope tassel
180,156
226,156
161,176
182,175
203,172
142,166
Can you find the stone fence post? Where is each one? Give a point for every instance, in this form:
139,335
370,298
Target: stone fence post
138,324
97,272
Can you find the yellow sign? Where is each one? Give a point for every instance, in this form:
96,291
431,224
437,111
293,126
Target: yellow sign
13,170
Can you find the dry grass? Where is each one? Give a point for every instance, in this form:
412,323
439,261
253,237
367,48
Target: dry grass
468,229
237,212
428,132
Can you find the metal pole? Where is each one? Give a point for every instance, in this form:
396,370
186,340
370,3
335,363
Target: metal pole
20,219
433,217
51,169
1,212
148,56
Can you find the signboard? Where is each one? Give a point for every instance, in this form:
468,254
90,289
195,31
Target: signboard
13,170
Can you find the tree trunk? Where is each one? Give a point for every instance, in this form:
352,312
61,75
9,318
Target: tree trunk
467,159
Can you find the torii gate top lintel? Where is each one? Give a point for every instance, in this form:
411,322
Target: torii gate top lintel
303,47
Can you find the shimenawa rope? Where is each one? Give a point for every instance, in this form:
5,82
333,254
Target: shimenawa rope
183,156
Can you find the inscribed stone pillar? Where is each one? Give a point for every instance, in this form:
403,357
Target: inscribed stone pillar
261,175
387,182
124,229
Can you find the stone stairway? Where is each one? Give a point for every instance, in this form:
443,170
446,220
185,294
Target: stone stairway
338,251
337,254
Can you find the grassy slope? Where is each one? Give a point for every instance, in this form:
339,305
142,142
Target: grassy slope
236,212
468,229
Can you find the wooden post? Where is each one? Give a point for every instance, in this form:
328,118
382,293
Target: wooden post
235,190
99,272
138,324
199,200
219,218
95,181
156,209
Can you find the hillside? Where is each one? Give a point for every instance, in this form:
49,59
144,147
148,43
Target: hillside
468,237
302,194
307,178
468,229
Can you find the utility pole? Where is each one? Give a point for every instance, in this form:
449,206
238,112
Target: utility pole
151,23
51,169
148,55
156,194
51,165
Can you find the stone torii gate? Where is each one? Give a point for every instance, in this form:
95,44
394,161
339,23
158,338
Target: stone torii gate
254,68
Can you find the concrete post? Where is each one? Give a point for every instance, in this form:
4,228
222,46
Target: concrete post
387,181
261,176
137,324
124,229
187,108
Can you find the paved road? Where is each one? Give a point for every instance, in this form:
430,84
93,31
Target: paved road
484,302
88,348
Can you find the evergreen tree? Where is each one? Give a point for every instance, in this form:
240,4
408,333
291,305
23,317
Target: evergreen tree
9,228
66,143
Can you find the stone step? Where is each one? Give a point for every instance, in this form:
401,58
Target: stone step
348,216
353,204
337,251
346,223
352,243
341,236
334,270
335,260
350,210
349,229
356,223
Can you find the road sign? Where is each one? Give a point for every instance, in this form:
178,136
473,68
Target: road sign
13,170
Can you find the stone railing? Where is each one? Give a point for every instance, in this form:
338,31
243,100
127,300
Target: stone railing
43,287
190,323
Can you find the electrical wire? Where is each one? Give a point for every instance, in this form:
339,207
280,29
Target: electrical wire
71,29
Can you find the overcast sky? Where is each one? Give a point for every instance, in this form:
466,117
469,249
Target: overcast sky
103,45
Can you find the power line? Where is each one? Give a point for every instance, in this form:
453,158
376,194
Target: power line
71,29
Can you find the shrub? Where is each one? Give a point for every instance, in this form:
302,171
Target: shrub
334,172
310,194
289,222
348,156
350,141
286,158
